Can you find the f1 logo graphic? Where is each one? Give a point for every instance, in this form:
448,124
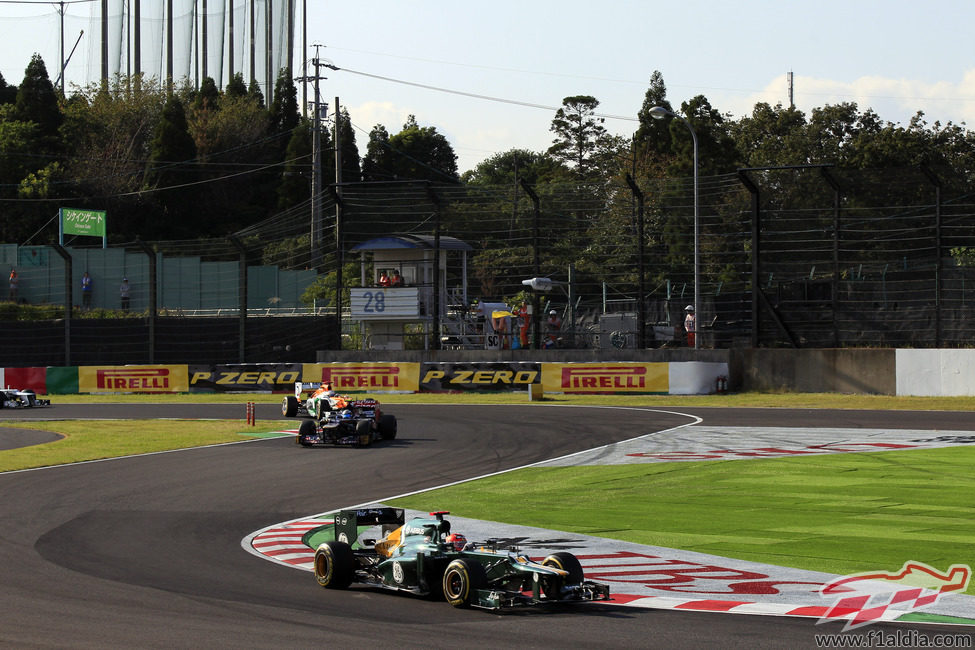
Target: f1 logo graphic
865,597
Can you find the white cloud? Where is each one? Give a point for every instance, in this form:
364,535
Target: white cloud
894,100
369,114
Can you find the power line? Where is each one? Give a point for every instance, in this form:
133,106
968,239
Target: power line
501,100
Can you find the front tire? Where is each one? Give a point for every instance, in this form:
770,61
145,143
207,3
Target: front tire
306,431
387,427
363,431
289,406
461,580
552,585
334,565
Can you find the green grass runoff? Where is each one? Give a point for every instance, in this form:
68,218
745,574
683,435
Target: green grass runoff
99,439
841,513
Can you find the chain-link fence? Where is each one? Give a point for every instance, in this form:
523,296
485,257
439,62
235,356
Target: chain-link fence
804,256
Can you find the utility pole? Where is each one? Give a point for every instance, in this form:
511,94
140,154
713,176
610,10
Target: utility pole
204,42
339,252
253,50
230,42
169,48
316,166
137,45
104,44
62,46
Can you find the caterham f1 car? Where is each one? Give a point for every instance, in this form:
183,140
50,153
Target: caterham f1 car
337,419
420,556
14,398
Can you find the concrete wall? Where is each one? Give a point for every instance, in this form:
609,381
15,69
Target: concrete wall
936,372
554,356
863,371
801,371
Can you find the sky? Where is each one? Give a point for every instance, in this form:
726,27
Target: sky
490,76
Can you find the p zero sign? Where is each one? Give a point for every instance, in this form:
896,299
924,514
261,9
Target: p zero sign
132,379
440,377
365,377
605,378
245,378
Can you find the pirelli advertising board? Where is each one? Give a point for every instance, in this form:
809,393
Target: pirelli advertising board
245,378
365,377
132,379
605,377
445,377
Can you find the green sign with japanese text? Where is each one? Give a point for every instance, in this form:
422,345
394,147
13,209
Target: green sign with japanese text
83,222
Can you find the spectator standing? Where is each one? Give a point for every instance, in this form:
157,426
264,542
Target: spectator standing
554,326
14,282
383,279
86,289
397,279
524,321
123,292
690,324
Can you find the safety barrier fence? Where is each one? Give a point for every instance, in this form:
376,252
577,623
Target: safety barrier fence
689,377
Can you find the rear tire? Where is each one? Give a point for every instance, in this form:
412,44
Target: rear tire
334,565
306,430
289,406
461,580
387,427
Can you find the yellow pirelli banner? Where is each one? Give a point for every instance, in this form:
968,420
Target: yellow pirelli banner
622,377
364,377
133,379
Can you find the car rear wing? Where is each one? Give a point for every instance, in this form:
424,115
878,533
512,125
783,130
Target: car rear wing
348,522
301,387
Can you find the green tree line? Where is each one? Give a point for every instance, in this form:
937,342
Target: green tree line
192,163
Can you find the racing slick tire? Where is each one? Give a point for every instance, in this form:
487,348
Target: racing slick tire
387,426
289,406
552,585
363,431
306,430
334,565
461,580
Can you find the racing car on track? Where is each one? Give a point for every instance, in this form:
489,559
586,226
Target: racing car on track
420,556
337,419
15,398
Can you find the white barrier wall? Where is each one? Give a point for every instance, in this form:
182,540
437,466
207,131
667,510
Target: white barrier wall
695,378
938,373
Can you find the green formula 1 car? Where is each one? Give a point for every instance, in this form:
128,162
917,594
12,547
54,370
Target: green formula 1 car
420,556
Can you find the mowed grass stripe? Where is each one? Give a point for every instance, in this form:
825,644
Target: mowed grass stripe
855,512
99,439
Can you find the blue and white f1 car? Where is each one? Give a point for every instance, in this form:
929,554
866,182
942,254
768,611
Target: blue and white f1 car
15,398
337,419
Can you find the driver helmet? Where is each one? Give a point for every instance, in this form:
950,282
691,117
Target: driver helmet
328,389
689,308
552,313
458,541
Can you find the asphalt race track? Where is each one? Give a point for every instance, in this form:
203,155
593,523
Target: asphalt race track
145,551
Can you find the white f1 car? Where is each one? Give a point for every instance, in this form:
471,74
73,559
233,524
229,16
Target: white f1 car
15,398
